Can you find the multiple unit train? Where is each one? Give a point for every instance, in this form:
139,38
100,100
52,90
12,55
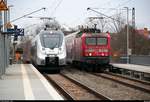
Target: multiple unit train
88,46
48,48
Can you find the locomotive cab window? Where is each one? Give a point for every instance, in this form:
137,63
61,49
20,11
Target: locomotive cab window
96,41
90,41
101,41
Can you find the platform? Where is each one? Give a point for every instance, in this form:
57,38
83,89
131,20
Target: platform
138,68
24,82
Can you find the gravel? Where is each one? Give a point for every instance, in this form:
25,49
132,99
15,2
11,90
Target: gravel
109,88
74,90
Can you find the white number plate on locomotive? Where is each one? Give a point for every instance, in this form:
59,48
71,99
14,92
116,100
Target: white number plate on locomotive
51,55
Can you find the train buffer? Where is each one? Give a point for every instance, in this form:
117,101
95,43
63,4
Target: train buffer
24,82
133,69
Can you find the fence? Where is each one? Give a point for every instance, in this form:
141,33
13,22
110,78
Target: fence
141,60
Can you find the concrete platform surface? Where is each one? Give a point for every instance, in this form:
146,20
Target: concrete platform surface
138,68
24,82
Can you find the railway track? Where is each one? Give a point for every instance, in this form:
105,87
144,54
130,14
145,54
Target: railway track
110,88
133,83
128,81
73,89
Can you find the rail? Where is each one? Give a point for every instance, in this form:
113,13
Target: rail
76,91
133,83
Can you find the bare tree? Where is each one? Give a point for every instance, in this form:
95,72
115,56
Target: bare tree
102,23
117,24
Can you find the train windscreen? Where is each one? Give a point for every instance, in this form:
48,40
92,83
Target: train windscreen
51,40
96,41
91,41
101,41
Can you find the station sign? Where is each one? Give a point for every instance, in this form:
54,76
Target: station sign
20,32
16,32
11,30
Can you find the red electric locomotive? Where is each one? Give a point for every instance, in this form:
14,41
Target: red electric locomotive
88,46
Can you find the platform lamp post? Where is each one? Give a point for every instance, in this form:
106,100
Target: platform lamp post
127,34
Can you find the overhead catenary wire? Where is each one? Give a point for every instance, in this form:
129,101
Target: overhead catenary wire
52,4
114,9
23,16
56,7
110,9
108,2
27,14
78,19
105,15
124,3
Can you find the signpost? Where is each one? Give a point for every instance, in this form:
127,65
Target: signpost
3,6
3,41
18,32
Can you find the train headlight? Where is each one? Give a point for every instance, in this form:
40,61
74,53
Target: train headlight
90,54
103,54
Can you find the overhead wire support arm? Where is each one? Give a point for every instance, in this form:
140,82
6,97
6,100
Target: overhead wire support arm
104,15
42,18
28,14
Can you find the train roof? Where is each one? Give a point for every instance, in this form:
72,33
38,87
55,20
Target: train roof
90,32
95,35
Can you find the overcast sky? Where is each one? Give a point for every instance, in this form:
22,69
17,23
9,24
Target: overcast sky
74,12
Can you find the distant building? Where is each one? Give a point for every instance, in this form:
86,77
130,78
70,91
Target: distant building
144,32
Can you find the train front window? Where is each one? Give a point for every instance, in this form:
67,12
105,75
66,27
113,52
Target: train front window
51,40
101,41
90,41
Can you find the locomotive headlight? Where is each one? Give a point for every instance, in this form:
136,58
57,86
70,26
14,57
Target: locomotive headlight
102,54
90,54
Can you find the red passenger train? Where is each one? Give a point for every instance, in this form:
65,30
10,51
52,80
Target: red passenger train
88,46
